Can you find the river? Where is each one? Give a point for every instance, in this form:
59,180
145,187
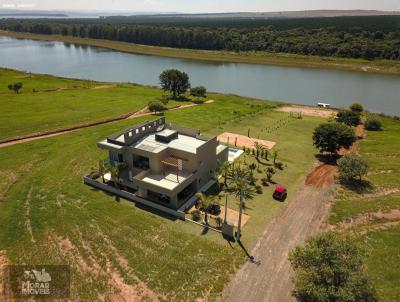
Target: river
378,93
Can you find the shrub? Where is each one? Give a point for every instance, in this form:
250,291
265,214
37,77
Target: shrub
373,123
270,172
279,165
156,106
199,91
218,221
330,137
198,101
258,189
264,182
196,215
330,267
349,117
16,87
357,107
352,167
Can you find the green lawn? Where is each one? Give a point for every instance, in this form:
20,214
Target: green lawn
41,190
49,109
382,150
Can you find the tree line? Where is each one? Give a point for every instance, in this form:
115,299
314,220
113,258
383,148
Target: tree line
355,42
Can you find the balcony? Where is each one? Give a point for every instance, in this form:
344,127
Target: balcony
169,180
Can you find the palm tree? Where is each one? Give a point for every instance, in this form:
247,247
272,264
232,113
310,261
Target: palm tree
223,170
259,148
239,184
115,171
102,169
275,154
205,202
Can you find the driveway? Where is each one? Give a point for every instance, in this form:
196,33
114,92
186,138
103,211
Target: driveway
268,278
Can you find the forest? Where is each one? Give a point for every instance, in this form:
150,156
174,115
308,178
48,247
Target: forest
375,37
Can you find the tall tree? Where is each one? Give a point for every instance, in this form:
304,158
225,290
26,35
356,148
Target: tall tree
330,267
330,137
174,81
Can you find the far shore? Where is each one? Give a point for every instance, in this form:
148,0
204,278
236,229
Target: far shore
288,60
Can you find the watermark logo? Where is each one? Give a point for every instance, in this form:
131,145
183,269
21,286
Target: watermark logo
37,281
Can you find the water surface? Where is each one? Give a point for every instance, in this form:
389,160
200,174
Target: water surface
379,93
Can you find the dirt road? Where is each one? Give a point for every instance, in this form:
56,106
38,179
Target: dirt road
51,133
269,277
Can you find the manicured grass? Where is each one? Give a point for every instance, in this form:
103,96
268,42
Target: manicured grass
382,150
41,189
280,59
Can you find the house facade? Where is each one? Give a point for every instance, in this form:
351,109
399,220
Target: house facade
163,163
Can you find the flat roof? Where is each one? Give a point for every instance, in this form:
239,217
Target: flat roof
105,144
183,143
168,181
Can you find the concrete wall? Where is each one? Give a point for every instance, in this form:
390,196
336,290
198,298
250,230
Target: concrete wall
132,197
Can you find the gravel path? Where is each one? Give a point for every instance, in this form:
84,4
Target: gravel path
268,278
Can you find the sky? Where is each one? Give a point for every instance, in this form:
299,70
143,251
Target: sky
200,6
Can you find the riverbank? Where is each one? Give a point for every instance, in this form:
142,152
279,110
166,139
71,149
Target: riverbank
288,60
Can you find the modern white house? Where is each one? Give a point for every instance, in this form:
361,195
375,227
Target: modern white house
164,164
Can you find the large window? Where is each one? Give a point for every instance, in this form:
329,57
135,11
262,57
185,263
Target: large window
141,162
116,157
157,197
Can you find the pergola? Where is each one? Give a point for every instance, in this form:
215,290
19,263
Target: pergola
174,162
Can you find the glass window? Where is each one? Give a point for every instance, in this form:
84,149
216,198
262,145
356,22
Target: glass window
141,162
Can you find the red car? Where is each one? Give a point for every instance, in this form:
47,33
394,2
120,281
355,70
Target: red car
280,193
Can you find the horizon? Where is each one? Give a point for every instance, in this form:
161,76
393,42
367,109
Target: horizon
205,7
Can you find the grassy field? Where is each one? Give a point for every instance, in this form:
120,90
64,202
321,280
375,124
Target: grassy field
377,66
382,150
49,103
58,102
48,216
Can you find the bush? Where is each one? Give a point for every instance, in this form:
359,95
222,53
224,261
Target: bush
349,117
356,107
352,167
156,106
330,137
258,189
264,182
373,123
199,101
218,221
199,91
16,87
270,172
279,165
330,267
196,215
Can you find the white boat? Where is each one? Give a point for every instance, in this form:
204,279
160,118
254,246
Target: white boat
324,105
